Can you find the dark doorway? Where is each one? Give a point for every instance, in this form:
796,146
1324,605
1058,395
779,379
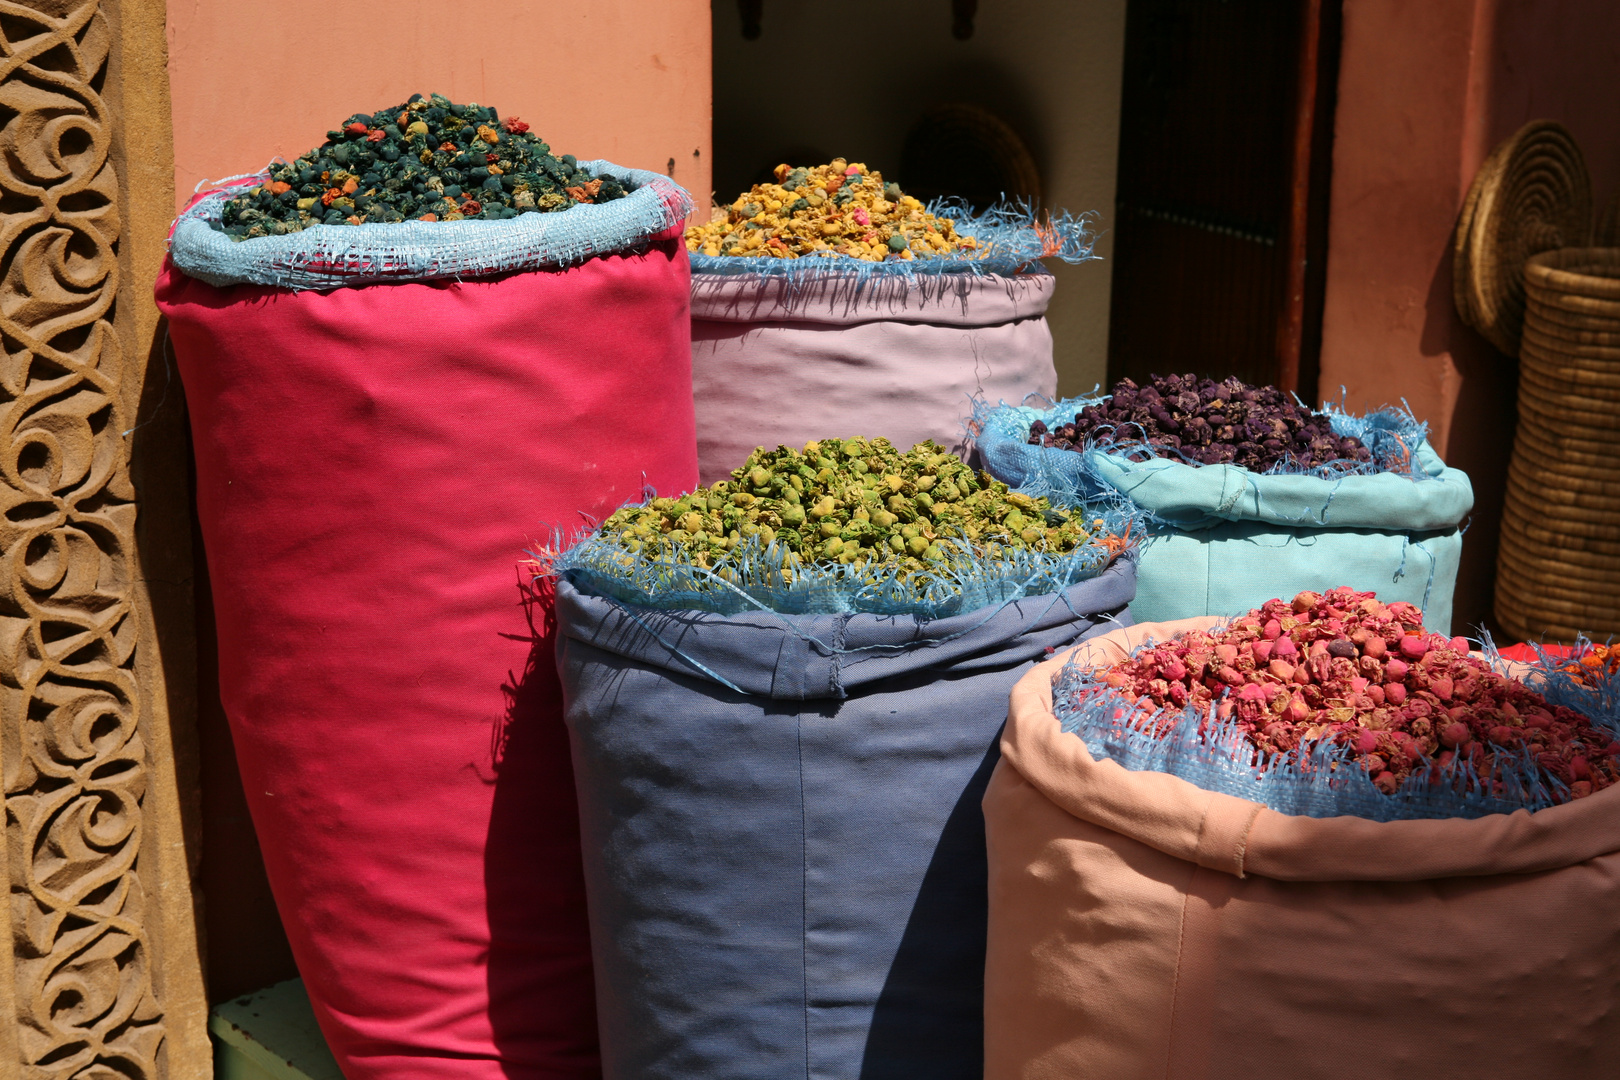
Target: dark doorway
1225,151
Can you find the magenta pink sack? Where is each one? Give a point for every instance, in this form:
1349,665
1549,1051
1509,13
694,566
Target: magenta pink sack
782,361
372,464
1142,927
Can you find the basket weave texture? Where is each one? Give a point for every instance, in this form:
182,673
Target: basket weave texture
1533,194
1558,569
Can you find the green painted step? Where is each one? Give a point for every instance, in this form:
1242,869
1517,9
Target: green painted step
270,1035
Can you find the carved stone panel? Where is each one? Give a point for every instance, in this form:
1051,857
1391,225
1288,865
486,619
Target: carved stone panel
102,979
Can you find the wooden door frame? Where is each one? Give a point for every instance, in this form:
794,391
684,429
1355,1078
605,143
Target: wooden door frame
1299,329
1277,323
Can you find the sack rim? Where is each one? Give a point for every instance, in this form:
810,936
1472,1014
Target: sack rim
1241,837
800,657
329,257
847,300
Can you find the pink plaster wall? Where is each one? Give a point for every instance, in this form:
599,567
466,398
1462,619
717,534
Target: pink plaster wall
626,80
1425,91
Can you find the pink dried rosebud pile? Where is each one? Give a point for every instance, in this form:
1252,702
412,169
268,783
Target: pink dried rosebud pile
1345,668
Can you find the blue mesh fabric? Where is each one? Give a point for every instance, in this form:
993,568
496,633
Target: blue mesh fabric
1596,695
1317,781
332,256
753,577
1397,439
1011,237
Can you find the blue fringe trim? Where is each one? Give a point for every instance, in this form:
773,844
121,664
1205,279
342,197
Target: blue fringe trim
336,256
1010,237
755,577
1001,434
1599,699
1317,780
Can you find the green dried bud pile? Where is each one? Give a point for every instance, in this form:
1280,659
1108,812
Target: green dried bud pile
852,501
424,160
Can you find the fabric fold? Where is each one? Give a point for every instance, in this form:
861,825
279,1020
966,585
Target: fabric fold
789,879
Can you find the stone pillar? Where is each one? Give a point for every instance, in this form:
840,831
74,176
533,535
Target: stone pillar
103,978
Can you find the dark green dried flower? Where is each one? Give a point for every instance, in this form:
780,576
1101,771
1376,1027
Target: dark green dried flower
427,160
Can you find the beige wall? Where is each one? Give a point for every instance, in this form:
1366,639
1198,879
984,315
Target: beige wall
625,80
851,76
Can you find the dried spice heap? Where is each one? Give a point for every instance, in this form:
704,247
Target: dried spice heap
425,160
835,209
852,501
1595,664
1206,422
1345,668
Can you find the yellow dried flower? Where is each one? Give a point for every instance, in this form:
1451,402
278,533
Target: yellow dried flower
832,209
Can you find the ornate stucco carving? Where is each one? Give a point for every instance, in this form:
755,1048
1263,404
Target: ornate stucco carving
102,978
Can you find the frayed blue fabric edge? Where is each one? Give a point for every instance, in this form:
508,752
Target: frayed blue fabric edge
1599,699
752,577
1009,242
338,256
1317,780
999,433
1392,433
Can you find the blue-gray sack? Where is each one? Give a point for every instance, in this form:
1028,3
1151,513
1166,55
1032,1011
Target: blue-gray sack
790,880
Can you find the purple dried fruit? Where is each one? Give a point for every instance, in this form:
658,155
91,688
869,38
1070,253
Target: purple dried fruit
1205,422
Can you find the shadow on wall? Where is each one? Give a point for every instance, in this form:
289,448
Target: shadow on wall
1049,69
1481,437
1425,93
969,152
1543,61
872,128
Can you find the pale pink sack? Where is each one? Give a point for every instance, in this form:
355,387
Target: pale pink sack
775,362
1143,927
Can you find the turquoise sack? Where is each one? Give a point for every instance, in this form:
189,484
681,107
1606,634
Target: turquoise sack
1224,540
1233,567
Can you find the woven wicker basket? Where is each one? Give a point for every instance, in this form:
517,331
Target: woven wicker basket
1532,194
1558,570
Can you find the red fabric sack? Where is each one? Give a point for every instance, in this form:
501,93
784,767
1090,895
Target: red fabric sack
371,465
1525,654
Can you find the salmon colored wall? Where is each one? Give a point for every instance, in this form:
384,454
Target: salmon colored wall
1425,91
626,80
